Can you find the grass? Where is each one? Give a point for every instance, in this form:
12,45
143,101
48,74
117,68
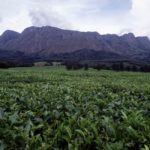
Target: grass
52,108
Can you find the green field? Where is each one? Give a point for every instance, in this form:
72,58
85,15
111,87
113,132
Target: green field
52,109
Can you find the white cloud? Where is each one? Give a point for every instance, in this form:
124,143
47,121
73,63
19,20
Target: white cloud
48,17
140,17
17,23
104,16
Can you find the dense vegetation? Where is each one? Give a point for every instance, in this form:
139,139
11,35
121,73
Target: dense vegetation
120,65
52,108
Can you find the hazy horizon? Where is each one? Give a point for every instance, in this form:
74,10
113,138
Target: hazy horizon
102,16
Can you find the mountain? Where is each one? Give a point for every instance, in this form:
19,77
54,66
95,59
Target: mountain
8,36
84,54
51,42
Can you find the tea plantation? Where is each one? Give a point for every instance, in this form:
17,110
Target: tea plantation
51,108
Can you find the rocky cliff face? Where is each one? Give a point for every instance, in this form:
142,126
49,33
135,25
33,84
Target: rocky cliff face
54,40
50,40
8,36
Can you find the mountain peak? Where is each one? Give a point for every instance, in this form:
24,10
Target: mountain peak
128,36
8,35
35,28
47,40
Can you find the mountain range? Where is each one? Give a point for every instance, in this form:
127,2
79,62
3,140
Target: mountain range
53,43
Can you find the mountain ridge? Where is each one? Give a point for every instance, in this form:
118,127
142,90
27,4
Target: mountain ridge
46,41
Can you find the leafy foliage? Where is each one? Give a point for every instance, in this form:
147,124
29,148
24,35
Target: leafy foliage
50,108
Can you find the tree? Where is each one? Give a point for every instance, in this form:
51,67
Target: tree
134,68
116,67
121,66
86,67
97,67
68,66
128,68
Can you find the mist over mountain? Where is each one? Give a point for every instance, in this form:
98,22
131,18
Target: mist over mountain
51,42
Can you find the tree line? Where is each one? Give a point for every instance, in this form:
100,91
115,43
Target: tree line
115,66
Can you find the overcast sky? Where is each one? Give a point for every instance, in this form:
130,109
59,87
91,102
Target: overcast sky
103,16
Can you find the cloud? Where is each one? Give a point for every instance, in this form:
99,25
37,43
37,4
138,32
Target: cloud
0,19
48,17
125,30
140,17
104,16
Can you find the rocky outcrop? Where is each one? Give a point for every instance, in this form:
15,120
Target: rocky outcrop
48,40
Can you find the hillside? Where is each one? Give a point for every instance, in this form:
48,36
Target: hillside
46,42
